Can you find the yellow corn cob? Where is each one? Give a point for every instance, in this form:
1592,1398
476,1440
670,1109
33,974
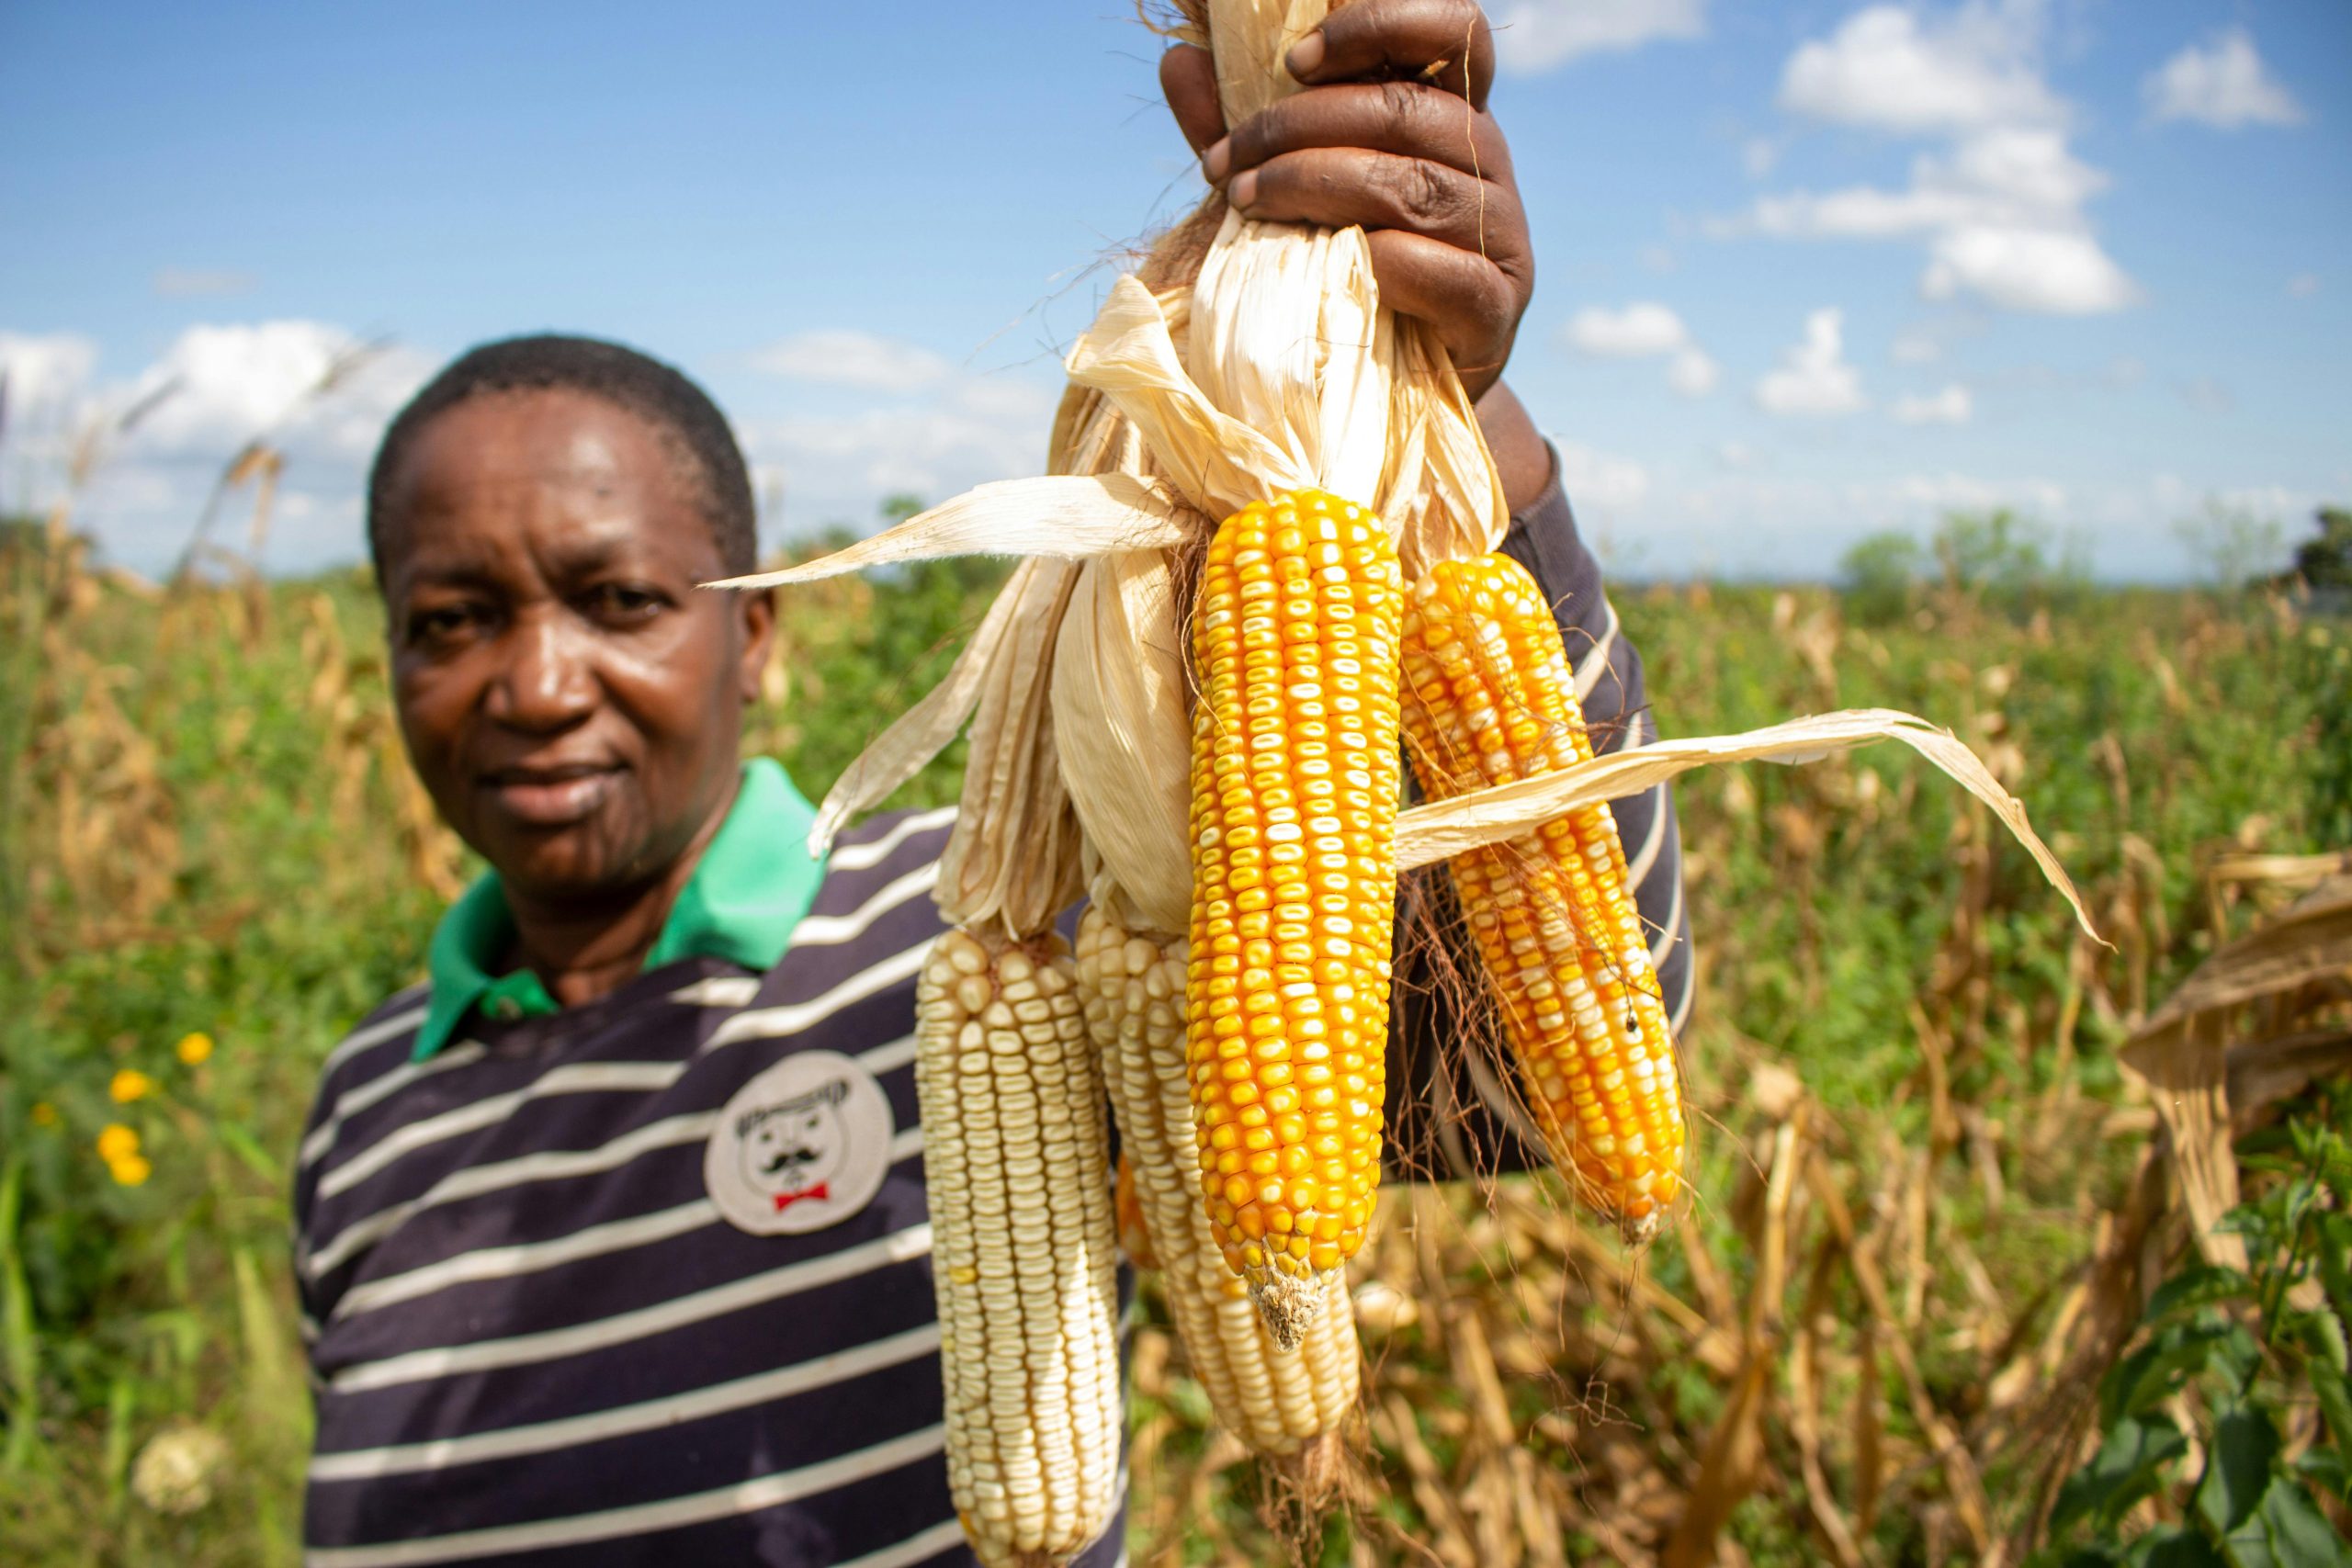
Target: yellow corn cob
1293,887
1490,697
1024,1246
1289,1405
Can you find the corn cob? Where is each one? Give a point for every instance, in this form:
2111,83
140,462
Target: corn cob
1289,1405
1134,1231
1490,697
1023,1260
1295,782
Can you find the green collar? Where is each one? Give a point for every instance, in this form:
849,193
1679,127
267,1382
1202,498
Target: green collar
753,883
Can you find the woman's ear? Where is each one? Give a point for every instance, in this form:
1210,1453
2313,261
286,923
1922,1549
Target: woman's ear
758,610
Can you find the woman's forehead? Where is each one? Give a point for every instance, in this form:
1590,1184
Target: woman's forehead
490,472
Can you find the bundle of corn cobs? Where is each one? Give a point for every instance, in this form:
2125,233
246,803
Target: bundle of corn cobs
1259,574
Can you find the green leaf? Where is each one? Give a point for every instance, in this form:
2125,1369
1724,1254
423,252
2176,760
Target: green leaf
2335,1402
248,1149
2203,1286
2334,1252
2170,1546
2287,1531
2082,1557
2128,1466
2325,1469
2160,1369
2323,1329
2237,1468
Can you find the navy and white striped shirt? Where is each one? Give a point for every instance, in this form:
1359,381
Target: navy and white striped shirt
535,1338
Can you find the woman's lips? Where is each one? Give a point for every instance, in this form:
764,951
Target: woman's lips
554,799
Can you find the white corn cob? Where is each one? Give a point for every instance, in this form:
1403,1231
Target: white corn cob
1024,1246
1288,1405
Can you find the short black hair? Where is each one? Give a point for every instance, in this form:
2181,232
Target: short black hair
637,383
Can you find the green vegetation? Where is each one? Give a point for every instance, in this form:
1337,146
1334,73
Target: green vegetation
2246,1375
1912,1127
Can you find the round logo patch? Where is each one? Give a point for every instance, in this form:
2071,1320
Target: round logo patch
803,1145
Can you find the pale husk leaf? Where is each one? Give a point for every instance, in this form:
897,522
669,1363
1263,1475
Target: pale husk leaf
1119,713
1287,336
1247,38
1013,844
920,733
1440,831
1215,462
1066,517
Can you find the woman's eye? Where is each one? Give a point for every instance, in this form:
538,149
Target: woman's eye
615,601
441,623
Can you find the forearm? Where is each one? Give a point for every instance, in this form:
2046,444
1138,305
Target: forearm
1522,458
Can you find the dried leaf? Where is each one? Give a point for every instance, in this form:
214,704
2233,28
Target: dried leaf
1119,713
1061,516
1013,854
920,733
1446,829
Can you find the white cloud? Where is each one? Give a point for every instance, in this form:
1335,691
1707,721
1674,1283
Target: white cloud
2001,209
231,383
2223,83
47,376
2036,498
1692,374
2207,395
1813,378
1637,331
1916,347
1890,69
845,357
1760,155
836,467
188,283
1536,35
1643,330
2302,285
1599,481
2048,272
1951,406
216,386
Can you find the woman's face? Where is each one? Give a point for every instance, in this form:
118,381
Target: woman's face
569,698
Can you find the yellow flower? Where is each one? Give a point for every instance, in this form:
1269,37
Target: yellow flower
131,1170
129,1085
116,1143
44,1114
194,1049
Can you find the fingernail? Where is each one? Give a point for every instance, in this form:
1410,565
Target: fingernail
1304,56
1213,161
1244,190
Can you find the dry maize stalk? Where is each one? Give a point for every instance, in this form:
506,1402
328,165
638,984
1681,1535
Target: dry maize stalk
1294,781
1290,1404
1025,1246
1490,698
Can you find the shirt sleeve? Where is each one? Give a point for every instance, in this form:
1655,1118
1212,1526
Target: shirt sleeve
1453,1107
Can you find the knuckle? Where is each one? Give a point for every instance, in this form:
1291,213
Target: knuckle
1424,193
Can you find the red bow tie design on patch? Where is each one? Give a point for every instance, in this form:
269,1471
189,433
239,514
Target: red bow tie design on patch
792,1149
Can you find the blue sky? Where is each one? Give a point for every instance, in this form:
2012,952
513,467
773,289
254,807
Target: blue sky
1806,270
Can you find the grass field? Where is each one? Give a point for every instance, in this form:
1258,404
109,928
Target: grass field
1871,1339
